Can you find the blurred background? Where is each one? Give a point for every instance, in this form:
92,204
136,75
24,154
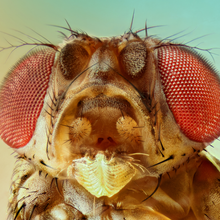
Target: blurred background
197,20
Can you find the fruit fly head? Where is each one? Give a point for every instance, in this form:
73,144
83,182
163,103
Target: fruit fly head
110,110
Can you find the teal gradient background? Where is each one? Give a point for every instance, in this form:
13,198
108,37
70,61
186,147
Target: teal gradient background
198,19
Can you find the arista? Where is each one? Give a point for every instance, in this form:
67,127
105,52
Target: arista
112,128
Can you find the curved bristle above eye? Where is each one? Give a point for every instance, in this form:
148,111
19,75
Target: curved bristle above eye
22,97
192,90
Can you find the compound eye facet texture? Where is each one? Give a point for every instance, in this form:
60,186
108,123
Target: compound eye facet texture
22,96
192,90
133,59
73,58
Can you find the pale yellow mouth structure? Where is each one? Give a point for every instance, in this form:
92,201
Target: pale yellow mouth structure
103,175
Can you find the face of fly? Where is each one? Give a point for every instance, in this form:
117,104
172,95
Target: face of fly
107,112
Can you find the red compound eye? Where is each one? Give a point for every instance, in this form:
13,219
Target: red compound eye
22,97
192,90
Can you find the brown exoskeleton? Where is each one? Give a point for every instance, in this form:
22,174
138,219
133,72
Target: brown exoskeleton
112,128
